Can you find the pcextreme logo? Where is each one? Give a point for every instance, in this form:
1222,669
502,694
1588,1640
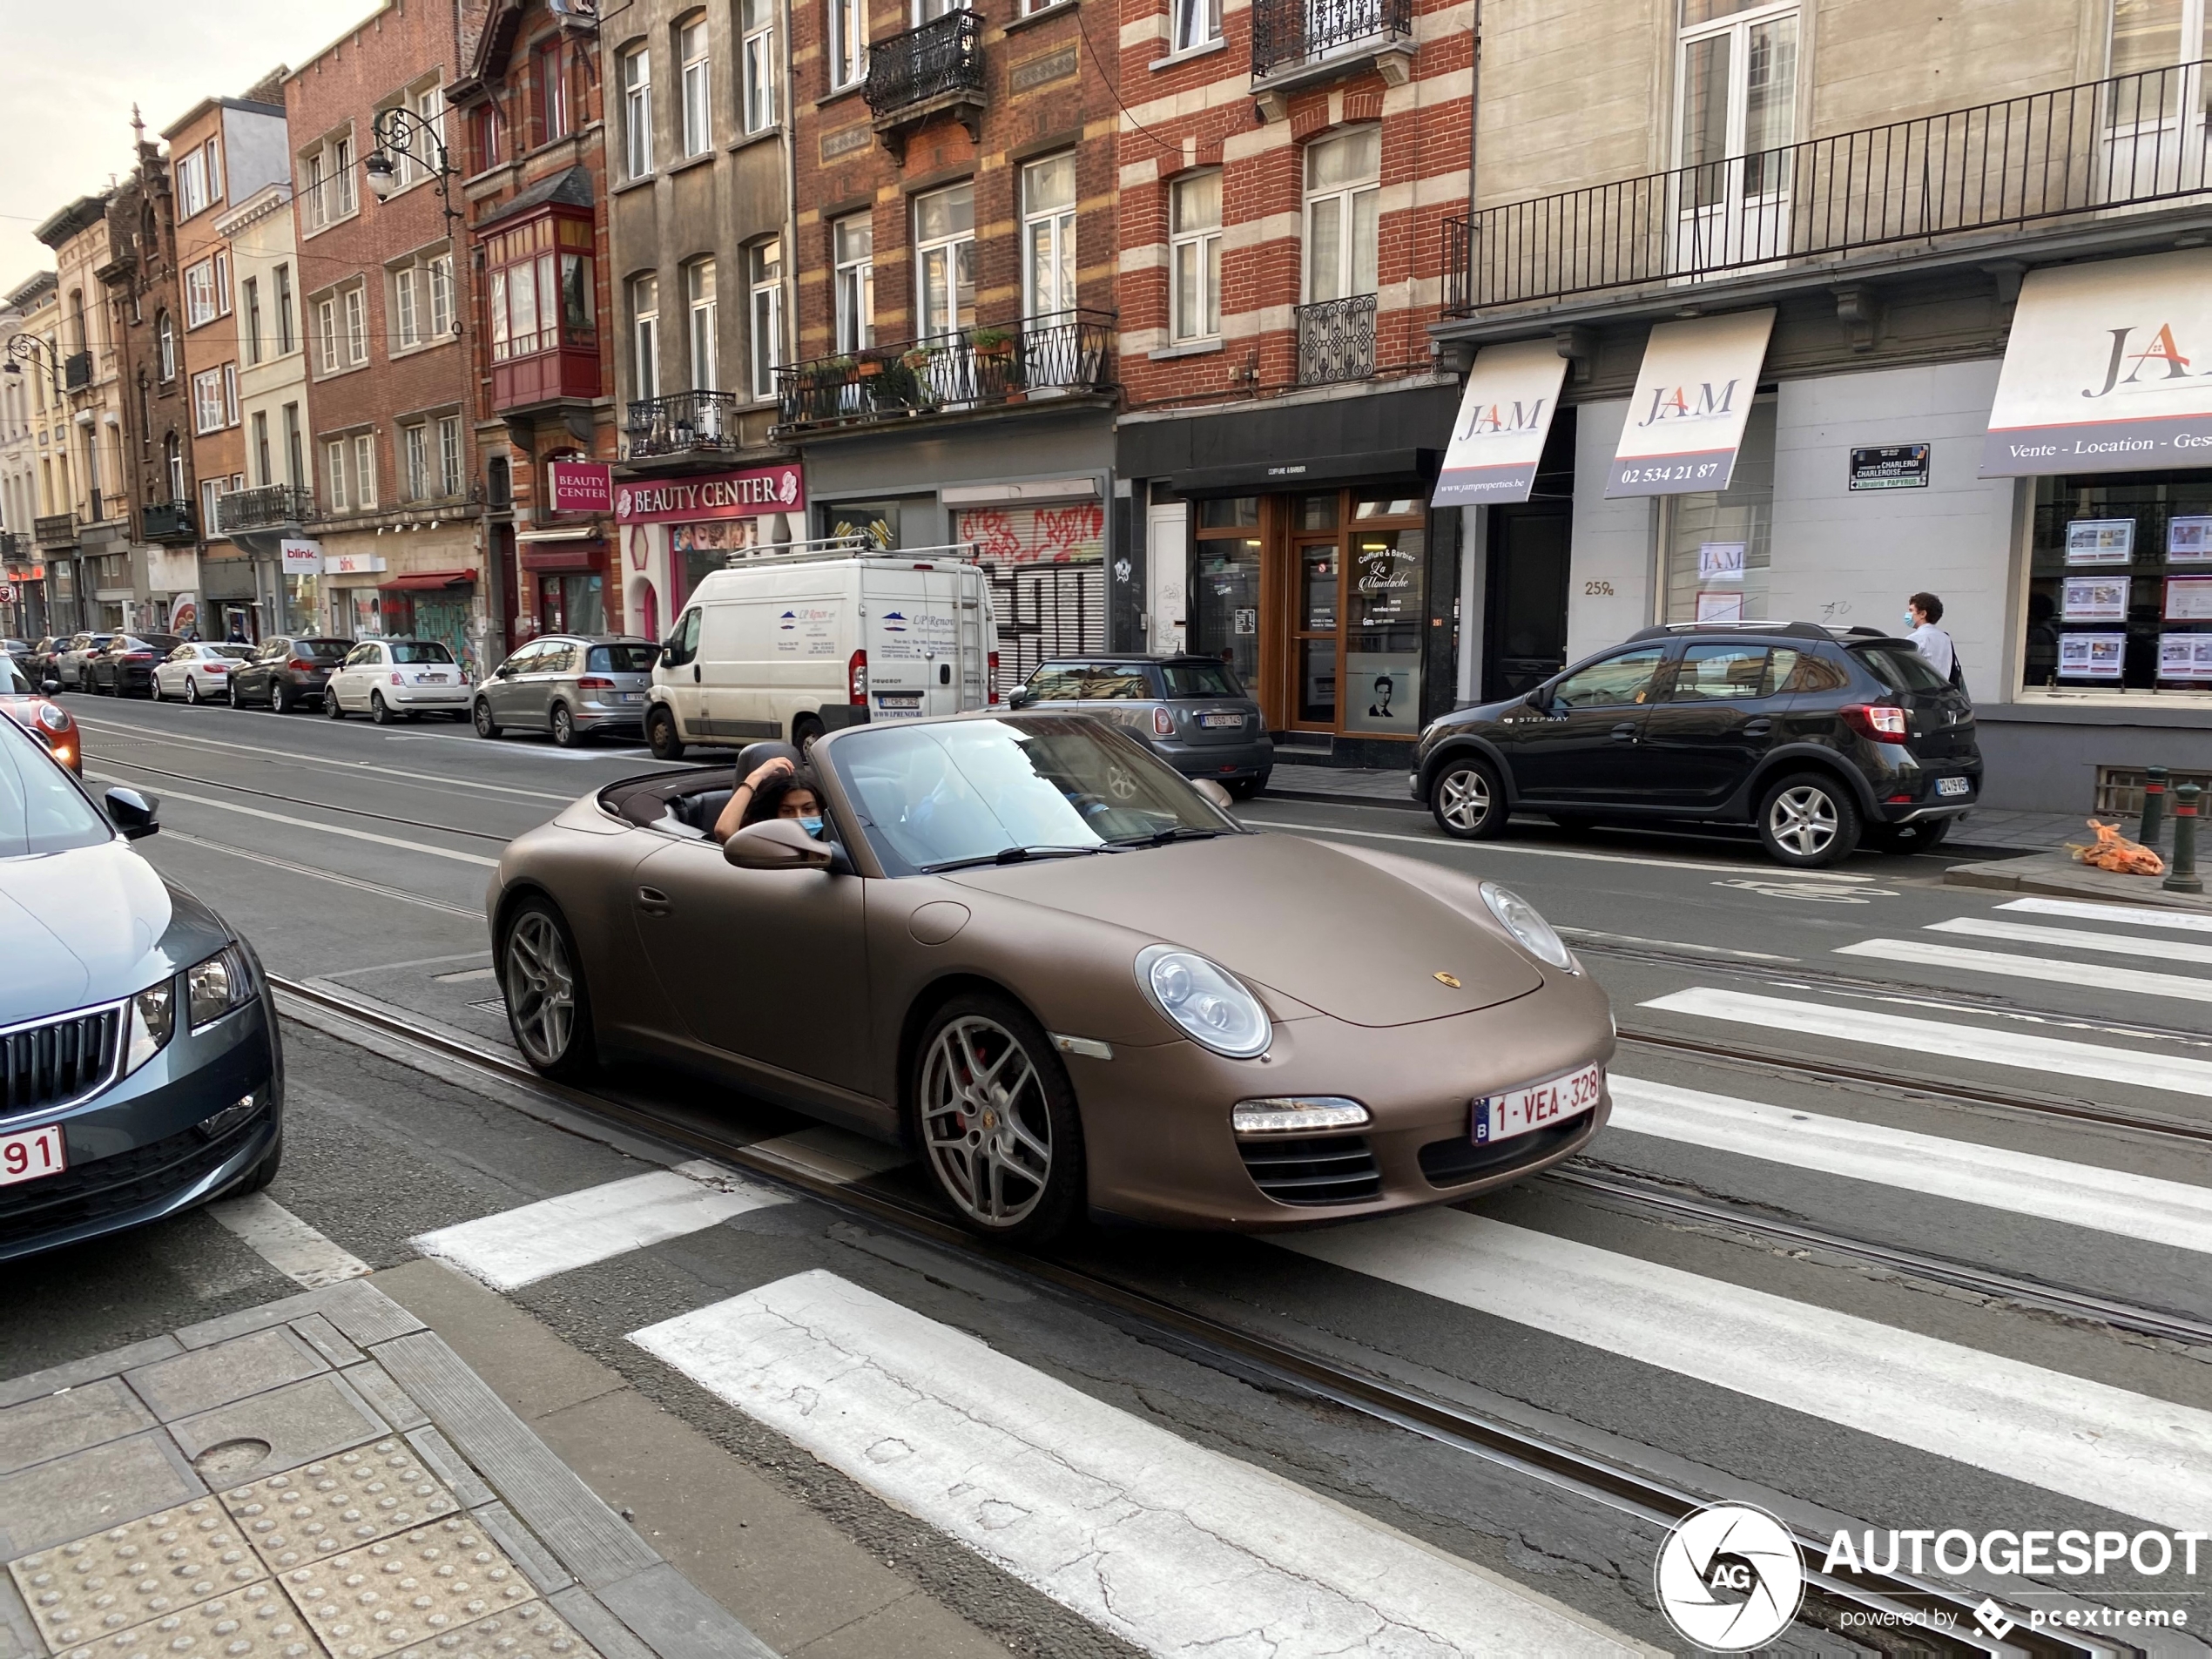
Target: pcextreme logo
1730,1577
1674,403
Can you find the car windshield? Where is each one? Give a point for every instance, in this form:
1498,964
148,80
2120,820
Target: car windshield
41,810
236,653
1201,679
13,682
1901,668
980,792
621,659
419,651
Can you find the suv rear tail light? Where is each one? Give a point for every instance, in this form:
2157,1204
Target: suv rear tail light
301,665
138,655
1163,723
856,677
993,673
1878,721
594,683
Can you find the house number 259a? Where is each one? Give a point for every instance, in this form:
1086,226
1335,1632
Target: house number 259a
1597,589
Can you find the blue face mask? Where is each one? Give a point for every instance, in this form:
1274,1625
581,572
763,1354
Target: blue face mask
813,827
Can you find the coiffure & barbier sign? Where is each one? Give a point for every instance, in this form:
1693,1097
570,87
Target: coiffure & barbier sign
2108,369
778,489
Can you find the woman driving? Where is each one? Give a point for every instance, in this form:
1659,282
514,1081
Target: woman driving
777,788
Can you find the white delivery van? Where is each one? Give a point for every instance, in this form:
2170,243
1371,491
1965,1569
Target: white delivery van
792,644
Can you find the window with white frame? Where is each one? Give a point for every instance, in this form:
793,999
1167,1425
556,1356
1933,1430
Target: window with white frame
759,57
174,454
852,248
415,461
210,510
1342,203
165,335
945,257
2156,40
638,111
765,280
208,401
333,473
222,282
328,191
695,76
552,73
1194,256
645,335
848,43
365,469
1197,23
250,325
440,274
406,323
190,184
356,303
261,458
211,162
929,10
421,301
427,102
326,339
699,300
1735,93
1048,236
200,293
230,394
284,310
449,455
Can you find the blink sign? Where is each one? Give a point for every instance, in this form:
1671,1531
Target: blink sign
2108,369
1692,398
1511,394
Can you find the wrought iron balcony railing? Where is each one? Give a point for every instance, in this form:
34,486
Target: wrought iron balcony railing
76,370
265,507
942,58
1336,340
682,424
1045,356
55,529
167,521
1287,33
13,546
2127,143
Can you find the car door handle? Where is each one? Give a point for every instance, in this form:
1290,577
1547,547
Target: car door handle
1625,732
653,902
1757,728
695,674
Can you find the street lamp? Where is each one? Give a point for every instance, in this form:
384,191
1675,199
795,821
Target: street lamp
400,132
22,348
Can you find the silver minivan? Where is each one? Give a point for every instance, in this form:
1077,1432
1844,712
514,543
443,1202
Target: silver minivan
568,684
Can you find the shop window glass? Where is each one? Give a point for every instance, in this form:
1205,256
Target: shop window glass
1228,512
1225,622
2120,585
1720,543
1318,512
1382,639
1370,507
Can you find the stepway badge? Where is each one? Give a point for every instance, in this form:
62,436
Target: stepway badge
1730,1577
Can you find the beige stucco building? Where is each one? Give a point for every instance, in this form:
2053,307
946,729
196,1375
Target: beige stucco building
30,410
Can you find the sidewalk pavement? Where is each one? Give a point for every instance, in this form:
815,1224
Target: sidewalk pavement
318,1478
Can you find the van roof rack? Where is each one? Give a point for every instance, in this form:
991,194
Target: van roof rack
1744,626
850,547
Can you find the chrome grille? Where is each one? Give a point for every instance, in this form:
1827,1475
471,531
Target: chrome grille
1312,1169
51,1062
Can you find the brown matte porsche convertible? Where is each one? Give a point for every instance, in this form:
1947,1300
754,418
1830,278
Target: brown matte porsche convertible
1066,978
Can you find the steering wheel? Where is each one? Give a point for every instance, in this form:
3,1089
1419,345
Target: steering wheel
1090,806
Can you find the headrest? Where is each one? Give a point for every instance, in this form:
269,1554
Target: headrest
755,755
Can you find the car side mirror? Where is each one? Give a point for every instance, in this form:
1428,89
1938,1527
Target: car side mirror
50,685
132,813
1213,792
1021,699
776,844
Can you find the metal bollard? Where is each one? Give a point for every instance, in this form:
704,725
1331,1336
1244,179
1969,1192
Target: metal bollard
2182,876
2154,805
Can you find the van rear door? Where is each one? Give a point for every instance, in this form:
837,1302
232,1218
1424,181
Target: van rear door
974,623
900,669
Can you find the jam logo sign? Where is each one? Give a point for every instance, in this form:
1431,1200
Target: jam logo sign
1685,420
2159,349
1505,414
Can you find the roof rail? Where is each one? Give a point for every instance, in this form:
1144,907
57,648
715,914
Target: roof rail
1745,625
850,547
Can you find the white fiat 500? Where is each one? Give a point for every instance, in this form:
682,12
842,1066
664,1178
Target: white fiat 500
387,679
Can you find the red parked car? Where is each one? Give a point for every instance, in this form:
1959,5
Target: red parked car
42,717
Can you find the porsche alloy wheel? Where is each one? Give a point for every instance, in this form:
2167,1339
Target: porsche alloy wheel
546,1003
997,1121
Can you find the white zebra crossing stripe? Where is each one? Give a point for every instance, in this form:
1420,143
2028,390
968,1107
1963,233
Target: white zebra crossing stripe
2148,1457
1172,1547
520,1246
2097,975
2080,1195
287,1243
2191,921
2164,950
2018,1048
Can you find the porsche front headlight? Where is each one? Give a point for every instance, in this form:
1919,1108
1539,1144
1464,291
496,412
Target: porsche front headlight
1209,1004
1526,923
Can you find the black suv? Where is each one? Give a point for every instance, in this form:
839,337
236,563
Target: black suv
1815,737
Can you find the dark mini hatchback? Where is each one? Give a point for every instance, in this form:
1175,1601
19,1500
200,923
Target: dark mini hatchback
1191,711
1819,739
141,1070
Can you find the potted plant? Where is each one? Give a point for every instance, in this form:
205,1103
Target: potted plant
916,358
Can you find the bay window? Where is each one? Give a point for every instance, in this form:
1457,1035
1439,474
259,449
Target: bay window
538,289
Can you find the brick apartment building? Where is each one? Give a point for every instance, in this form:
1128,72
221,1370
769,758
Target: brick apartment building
526,126
1285,169
155,472
222,151
954,248
391,386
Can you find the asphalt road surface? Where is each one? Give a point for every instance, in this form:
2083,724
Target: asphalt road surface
1903,1222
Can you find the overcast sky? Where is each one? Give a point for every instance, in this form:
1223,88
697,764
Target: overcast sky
71,69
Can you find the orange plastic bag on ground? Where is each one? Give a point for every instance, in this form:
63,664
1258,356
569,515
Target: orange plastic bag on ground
2113,851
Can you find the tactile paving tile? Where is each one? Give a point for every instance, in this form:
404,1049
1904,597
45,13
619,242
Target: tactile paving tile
407,1591
339,1502
531,1631
131,1575
256,1623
